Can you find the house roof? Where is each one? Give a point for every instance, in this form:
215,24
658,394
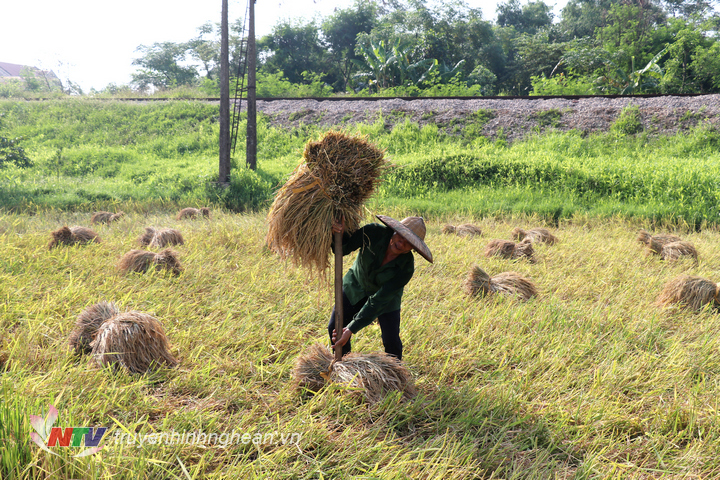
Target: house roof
10,69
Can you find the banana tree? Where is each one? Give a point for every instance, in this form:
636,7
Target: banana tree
640,81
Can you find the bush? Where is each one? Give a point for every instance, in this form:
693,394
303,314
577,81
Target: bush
629,122
247,191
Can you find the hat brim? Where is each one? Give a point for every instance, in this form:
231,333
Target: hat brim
417,242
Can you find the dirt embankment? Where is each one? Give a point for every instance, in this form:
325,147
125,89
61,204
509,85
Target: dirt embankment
512,119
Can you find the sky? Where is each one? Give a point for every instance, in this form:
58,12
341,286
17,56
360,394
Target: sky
93,42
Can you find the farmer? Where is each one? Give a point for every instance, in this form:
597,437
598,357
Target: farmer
373,287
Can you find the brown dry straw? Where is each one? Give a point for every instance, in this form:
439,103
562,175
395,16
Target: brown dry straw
656,242
509,249
161,238
478,282
133,340
676,250
88,323
690,292
462,230
73,236
193,213
106,217
536,235
142,260
339,173
369,375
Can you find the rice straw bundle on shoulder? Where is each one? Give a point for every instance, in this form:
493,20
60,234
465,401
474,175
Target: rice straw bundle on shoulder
88,323
191,212
478,282
133,340
142,260
462,230
509,249
371,374
106,217
160,238
677,250
536,235
338,174
656,242
72,236
689,292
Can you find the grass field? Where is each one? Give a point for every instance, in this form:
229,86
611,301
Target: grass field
589,380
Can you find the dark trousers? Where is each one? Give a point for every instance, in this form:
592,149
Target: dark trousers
389,327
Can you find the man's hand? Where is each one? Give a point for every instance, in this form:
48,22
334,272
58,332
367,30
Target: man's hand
343,340
338,226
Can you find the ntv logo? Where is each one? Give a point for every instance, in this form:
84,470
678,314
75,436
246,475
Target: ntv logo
45,435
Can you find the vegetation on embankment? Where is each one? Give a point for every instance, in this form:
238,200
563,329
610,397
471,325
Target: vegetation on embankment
90,155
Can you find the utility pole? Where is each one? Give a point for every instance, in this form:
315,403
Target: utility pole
251,139
224,175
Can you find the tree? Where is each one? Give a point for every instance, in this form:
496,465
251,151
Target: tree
528,18
12,152
206,51
292,48
161,66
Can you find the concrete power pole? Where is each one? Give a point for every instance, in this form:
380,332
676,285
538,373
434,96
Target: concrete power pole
251,140
224,175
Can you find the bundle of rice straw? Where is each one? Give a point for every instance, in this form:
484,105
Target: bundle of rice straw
88,323
536,235
193,213
160,238
462,230
371,374
676,250
105,217
72,236
656,242
693,293
133,340
141,260
478,282
509,249
339,173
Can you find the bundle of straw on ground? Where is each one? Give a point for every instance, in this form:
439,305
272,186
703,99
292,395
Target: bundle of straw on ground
133,340
478,282
511,250
371,375
462,230
142,260
193,213
105,217
677,250
689,292
338,174
656,242
536,235
88,323
72,236
160,238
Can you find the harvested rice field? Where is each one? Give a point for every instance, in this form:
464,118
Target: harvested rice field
588,379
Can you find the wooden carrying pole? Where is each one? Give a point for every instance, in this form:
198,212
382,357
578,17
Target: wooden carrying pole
338,294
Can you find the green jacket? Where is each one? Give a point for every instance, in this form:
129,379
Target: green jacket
383,285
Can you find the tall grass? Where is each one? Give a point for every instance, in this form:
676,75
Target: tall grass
589,380
89,153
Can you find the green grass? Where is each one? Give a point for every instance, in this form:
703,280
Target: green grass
589,380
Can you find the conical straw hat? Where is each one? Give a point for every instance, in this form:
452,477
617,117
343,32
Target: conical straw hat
412,229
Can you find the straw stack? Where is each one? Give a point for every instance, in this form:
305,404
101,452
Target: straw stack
478,282
536,235
337,175
462,230
656,242
677,250
72,236
690,292
106,217
132,340
191,212
510,250
371,375
88,323
161,237
141,261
